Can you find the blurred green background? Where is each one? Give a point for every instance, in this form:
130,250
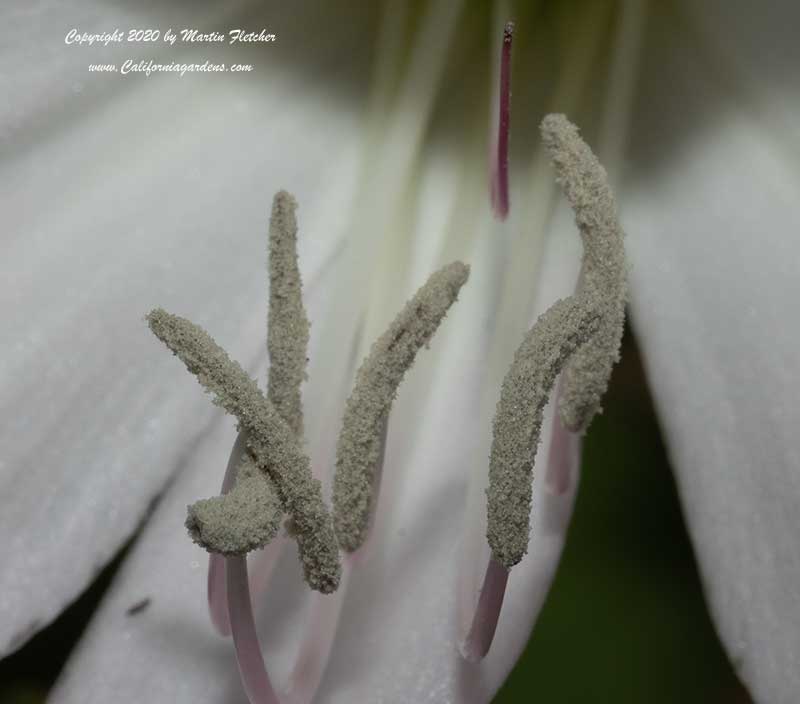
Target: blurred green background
625,621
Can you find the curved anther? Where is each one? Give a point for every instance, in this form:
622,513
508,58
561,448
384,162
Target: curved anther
269,438
546,349
244,519
603,274
580,336
359,449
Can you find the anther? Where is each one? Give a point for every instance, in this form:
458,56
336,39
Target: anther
287,329
556,335
287,344
579,335
367,409
269,438
247,518
603,275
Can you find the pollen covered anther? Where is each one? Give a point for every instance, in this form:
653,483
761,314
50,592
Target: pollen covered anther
246,518
603,274
288,326
579,336
270,439
269,475
360,441
557,334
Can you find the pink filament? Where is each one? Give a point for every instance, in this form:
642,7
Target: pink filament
248,651
263,564
562,463
499,171
484,622
323,620
565,451
320,629
315,649
218,595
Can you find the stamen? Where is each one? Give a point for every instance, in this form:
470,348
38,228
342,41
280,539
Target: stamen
556,335
359,448
580,335
287,344
270,439
247,518
499,179
287,329
603,277
248,513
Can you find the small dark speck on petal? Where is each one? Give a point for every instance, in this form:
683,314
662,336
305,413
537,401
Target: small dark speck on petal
138,607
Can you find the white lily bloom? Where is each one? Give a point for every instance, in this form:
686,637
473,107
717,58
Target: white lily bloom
122,194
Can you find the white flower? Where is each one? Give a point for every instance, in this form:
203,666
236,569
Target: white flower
123,194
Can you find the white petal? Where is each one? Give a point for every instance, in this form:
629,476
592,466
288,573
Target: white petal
158,195
46,81
713,222
398,635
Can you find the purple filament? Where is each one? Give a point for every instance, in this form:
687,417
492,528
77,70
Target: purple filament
499,180
484,622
